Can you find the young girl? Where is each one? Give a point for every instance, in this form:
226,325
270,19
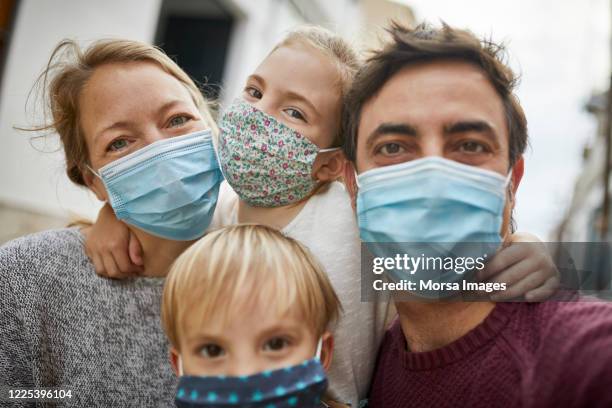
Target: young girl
276,150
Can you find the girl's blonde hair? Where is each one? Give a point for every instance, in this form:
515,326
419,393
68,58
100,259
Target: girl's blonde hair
68,70
338,49
231,269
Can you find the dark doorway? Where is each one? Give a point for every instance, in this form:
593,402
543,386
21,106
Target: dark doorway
196,34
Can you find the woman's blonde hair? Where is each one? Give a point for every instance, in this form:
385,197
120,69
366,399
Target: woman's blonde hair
231,269
68,70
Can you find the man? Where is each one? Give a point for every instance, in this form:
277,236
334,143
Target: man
438,104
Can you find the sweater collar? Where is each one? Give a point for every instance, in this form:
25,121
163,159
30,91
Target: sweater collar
460,348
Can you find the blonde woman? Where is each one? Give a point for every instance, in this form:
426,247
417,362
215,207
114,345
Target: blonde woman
125,113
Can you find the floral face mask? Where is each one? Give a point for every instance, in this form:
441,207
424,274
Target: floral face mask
267,163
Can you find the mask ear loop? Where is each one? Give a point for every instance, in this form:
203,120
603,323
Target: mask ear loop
319,348
508,178
180,366
94,172
329,149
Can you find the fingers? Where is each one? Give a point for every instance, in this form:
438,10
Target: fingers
123,262
98,264
543,292
111,268
502,261
135,250
528,283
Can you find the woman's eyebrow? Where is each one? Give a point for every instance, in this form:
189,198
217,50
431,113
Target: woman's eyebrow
168,106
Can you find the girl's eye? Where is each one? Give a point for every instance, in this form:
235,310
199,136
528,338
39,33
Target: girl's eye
390,149
254,92
212,351
296,114
118,144
276,344
472,147
178,121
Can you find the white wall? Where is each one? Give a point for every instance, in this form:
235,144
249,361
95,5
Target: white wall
29,178
36,181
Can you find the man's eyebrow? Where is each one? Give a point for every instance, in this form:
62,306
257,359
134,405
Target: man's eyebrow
390,128
478,126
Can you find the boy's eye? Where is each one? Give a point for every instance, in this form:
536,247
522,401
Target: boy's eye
390,149
212,351
254,92
178,121
276,344
294,113
116,145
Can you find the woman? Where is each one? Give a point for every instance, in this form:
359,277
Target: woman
125,113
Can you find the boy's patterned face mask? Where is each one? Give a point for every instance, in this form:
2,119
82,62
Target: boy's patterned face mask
267,163
301,385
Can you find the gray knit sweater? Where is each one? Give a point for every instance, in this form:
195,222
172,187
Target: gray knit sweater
62,326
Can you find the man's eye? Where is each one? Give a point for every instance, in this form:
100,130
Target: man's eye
391,149
472,147
117,145
276,344
294,113
212,351
254,92
178,121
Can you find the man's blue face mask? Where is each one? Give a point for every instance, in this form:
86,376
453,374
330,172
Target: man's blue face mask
431,207
168,188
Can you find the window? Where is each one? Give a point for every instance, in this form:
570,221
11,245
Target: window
196,34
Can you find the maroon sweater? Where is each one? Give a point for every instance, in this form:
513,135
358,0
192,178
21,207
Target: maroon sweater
552,354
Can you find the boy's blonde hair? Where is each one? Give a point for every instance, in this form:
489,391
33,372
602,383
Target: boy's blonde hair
339,50
229,269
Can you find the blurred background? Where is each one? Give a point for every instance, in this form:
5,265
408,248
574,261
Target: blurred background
560,47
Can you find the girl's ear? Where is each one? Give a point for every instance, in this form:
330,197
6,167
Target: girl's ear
174,360
328,166
327,350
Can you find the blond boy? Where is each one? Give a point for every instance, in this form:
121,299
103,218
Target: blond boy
247,311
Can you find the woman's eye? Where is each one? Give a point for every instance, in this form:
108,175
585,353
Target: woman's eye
117,145
296,114
276,344
178,121
254,92
391,149
212,351
472,147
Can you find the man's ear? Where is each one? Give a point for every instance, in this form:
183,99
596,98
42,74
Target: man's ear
350,182
174,360
517,174
94,184
327,350
328,166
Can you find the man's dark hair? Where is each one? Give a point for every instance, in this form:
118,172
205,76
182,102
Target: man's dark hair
426,44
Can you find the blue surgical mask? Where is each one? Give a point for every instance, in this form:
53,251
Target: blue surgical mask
301,385
168,188
431,207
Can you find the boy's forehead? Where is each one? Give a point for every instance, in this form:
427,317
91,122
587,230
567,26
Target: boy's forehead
247,315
